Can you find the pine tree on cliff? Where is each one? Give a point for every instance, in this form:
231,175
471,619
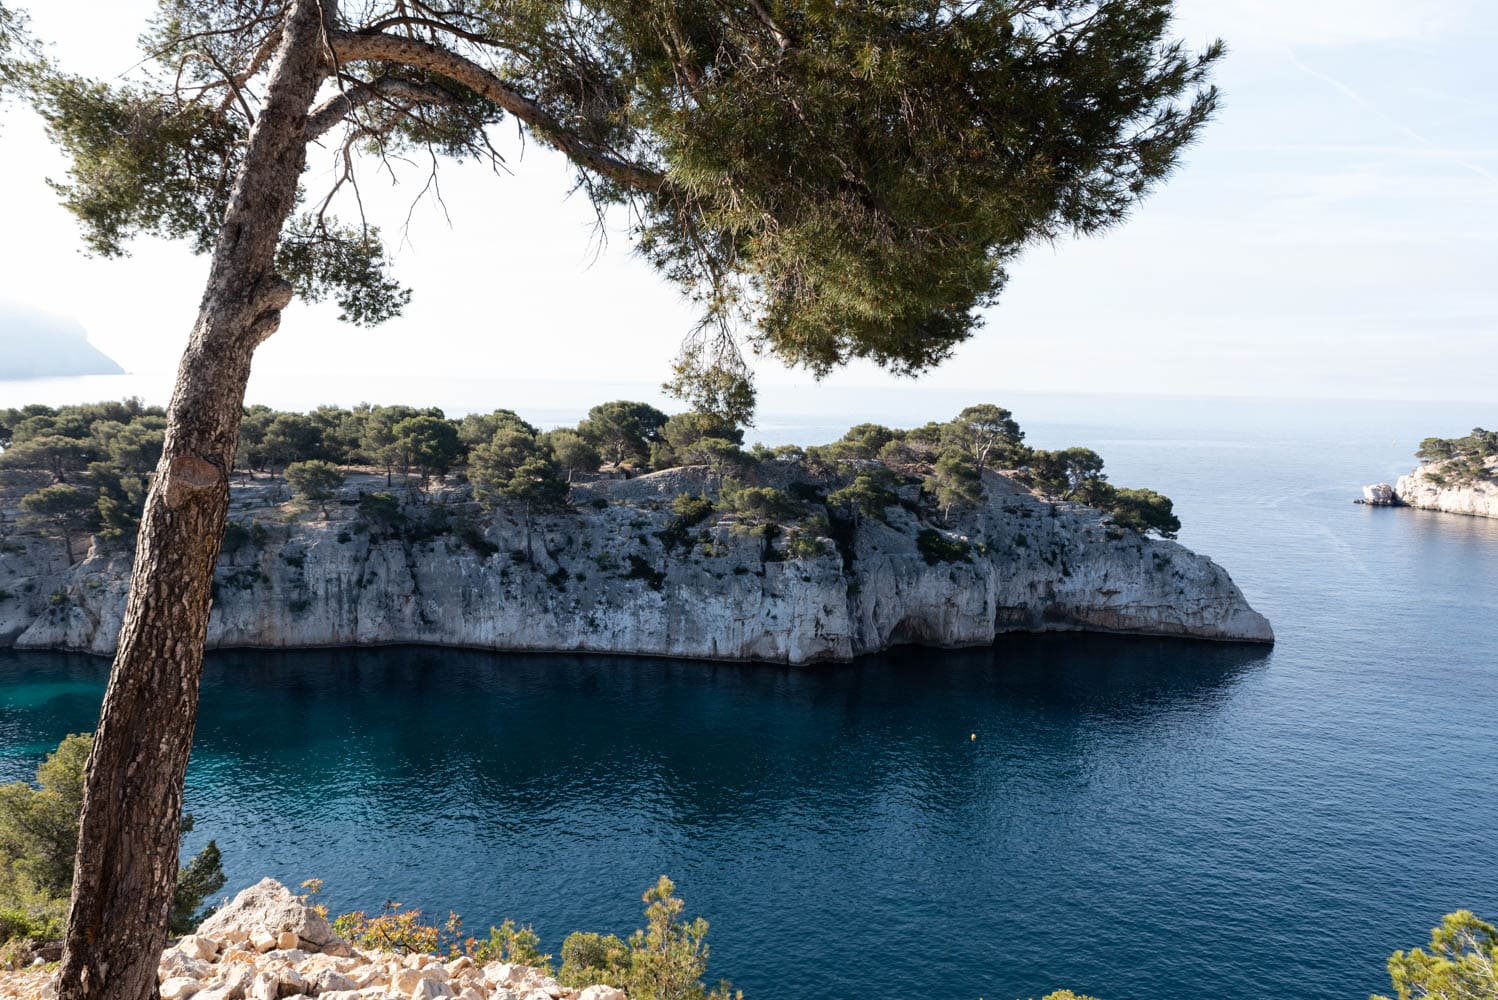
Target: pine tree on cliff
831,181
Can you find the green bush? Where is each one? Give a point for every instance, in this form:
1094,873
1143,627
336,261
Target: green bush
589,958
509,943
639,569
938,548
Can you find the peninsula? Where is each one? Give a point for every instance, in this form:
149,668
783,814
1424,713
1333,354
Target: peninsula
945,535
1455,475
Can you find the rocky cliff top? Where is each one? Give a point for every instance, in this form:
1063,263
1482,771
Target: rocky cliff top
1436,486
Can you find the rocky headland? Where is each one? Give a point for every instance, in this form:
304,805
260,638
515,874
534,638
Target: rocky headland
1456,475
623,572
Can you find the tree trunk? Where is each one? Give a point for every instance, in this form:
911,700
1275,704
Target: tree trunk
126,867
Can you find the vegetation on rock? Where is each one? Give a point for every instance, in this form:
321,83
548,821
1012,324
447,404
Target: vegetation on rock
1460,461
99,457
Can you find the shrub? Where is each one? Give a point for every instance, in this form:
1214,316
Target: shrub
639,569
509,943
691,510
236,536
938,548
381,509
394,929
589,958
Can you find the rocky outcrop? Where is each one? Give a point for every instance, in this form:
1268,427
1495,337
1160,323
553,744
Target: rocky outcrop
622,575
230,961
269,916
1429,488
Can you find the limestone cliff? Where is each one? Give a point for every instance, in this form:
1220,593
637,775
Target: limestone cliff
1428,489
619,575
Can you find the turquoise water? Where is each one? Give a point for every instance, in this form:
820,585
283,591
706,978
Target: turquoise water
1136,819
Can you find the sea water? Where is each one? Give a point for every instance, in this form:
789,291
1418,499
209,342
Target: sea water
1135,818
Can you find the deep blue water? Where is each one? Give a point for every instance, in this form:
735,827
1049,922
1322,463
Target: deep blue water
1136,819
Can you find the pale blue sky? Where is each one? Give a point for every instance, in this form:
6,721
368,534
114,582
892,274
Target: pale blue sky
1335,234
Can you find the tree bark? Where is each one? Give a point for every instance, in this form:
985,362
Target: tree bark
126,866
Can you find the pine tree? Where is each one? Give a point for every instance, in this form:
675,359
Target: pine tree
831,181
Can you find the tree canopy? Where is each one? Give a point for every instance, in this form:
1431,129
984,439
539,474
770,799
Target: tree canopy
829,182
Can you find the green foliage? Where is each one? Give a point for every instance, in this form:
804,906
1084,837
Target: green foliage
1461,460
513,468
39,837
1066,473
140,163
510,943
315,481
987,435
664,960
1023,122
60,511
936,547
56,453
382,510
868,495
1141,510
668,956
429,443
639,569
955,483
574,454
710,376
691,510
39,825
623,431
837,181
589,958
688,512
322,259
864,441
197,881
477,428
1461,964
692,434
13,43
392,929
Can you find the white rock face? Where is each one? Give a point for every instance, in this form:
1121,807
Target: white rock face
1380,495
1478,498
611,579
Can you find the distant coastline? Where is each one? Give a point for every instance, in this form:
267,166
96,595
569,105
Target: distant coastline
34,344
1456,476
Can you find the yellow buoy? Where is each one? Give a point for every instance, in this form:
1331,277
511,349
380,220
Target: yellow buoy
973,737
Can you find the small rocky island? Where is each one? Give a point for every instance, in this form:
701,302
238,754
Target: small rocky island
1455,475
469,533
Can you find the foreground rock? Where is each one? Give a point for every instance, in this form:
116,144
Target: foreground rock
619,576
268,916
225,960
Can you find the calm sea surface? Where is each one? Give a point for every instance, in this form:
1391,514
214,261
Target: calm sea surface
1136,819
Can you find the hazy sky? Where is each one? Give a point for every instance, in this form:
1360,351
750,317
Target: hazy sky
1334,234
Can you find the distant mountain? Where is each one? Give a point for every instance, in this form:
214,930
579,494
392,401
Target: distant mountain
34,344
